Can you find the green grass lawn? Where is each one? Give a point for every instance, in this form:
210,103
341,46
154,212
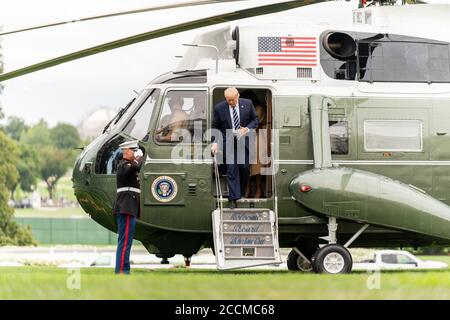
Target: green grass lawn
50,283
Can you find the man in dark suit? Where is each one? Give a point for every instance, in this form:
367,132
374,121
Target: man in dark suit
234,119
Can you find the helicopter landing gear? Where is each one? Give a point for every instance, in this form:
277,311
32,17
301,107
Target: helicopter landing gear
164,258
187,261
334,258
299,259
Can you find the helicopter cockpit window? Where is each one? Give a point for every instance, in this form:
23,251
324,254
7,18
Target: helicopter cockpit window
109,156
183,117
338,137
137,127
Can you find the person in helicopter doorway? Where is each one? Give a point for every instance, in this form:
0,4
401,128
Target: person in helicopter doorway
127,205
235,119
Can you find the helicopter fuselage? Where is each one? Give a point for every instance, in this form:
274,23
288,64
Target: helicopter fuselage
388,116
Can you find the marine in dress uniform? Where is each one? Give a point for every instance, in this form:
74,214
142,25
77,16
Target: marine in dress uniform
127,205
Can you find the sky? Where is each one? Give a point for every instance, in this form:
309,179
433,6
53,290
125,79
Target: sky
70,92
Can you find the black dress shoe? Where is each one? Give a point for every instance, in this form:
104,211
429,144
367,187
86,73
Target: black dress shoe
233,204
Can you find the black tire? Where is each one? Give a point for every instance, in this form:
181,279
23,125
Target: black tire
333,259
296,263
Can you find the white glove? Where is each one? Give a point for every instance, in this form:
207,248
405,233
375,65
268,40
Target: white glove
138,153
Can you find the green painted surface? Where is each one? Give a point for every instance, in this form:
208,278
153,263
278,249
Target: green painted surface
184,226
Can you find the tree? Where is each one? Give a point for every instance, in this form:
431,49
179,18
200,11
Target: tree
53,164
54,151
65,136
10,232
28,160
1,71
16,127
28,169
38,135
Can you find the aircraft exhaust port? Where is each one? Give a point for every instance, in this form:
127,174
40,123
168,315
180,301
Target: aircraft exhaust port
339,45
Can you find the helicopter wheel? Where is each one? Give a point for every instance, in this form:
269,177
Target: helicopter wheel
296,262
333,259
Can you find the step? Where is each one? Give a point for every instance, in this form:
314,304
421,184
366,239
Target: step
245,237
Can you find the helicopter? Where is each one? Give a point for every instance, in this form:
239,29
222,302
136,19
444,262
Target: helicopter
356,139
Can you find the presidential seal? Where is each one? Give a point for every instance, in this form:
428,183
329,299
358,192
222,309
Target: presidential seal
164,189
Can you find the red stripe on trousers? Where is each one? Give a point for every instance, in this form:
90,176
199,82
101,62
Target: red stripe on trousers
122,260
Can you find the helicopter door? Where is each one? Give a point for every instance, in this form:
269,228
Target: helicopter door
177,171
259,187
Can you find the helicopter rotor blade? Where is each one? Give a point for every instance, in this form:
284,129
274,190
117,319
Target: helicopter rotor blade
121,13
207,21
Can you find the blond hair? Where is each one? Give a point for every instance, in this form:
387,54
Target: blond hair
231,91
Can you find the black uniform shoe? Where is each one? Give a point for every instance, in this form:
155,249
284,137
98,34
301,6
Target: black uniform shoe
232,204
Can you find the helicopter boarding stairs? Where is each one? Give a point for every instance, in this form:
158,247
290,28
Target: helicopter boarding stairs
244,237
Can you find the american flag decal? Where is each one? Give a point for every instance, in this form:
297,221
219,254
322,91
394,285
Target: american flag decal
287,51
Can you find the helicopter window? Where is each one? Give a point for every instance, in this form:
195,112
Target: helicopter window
183,117
393,135
403,61
137,127
109,156
339,137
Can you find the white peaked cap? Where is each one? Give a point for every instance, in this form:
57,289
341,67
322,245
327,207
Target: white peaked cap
129,145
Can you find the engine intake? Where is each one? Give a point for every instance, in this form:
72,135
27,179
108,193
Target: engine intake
339,45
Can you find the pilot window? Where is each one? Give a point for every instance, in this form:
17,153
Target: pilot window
137,127
183,117
338,137
393,135
109,156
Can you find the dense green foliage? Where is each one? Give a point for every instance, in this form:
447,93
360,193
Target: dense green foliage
44,153
10,232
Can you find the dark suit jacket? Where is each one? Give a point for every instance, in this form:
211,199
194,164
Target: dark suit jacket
222,121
